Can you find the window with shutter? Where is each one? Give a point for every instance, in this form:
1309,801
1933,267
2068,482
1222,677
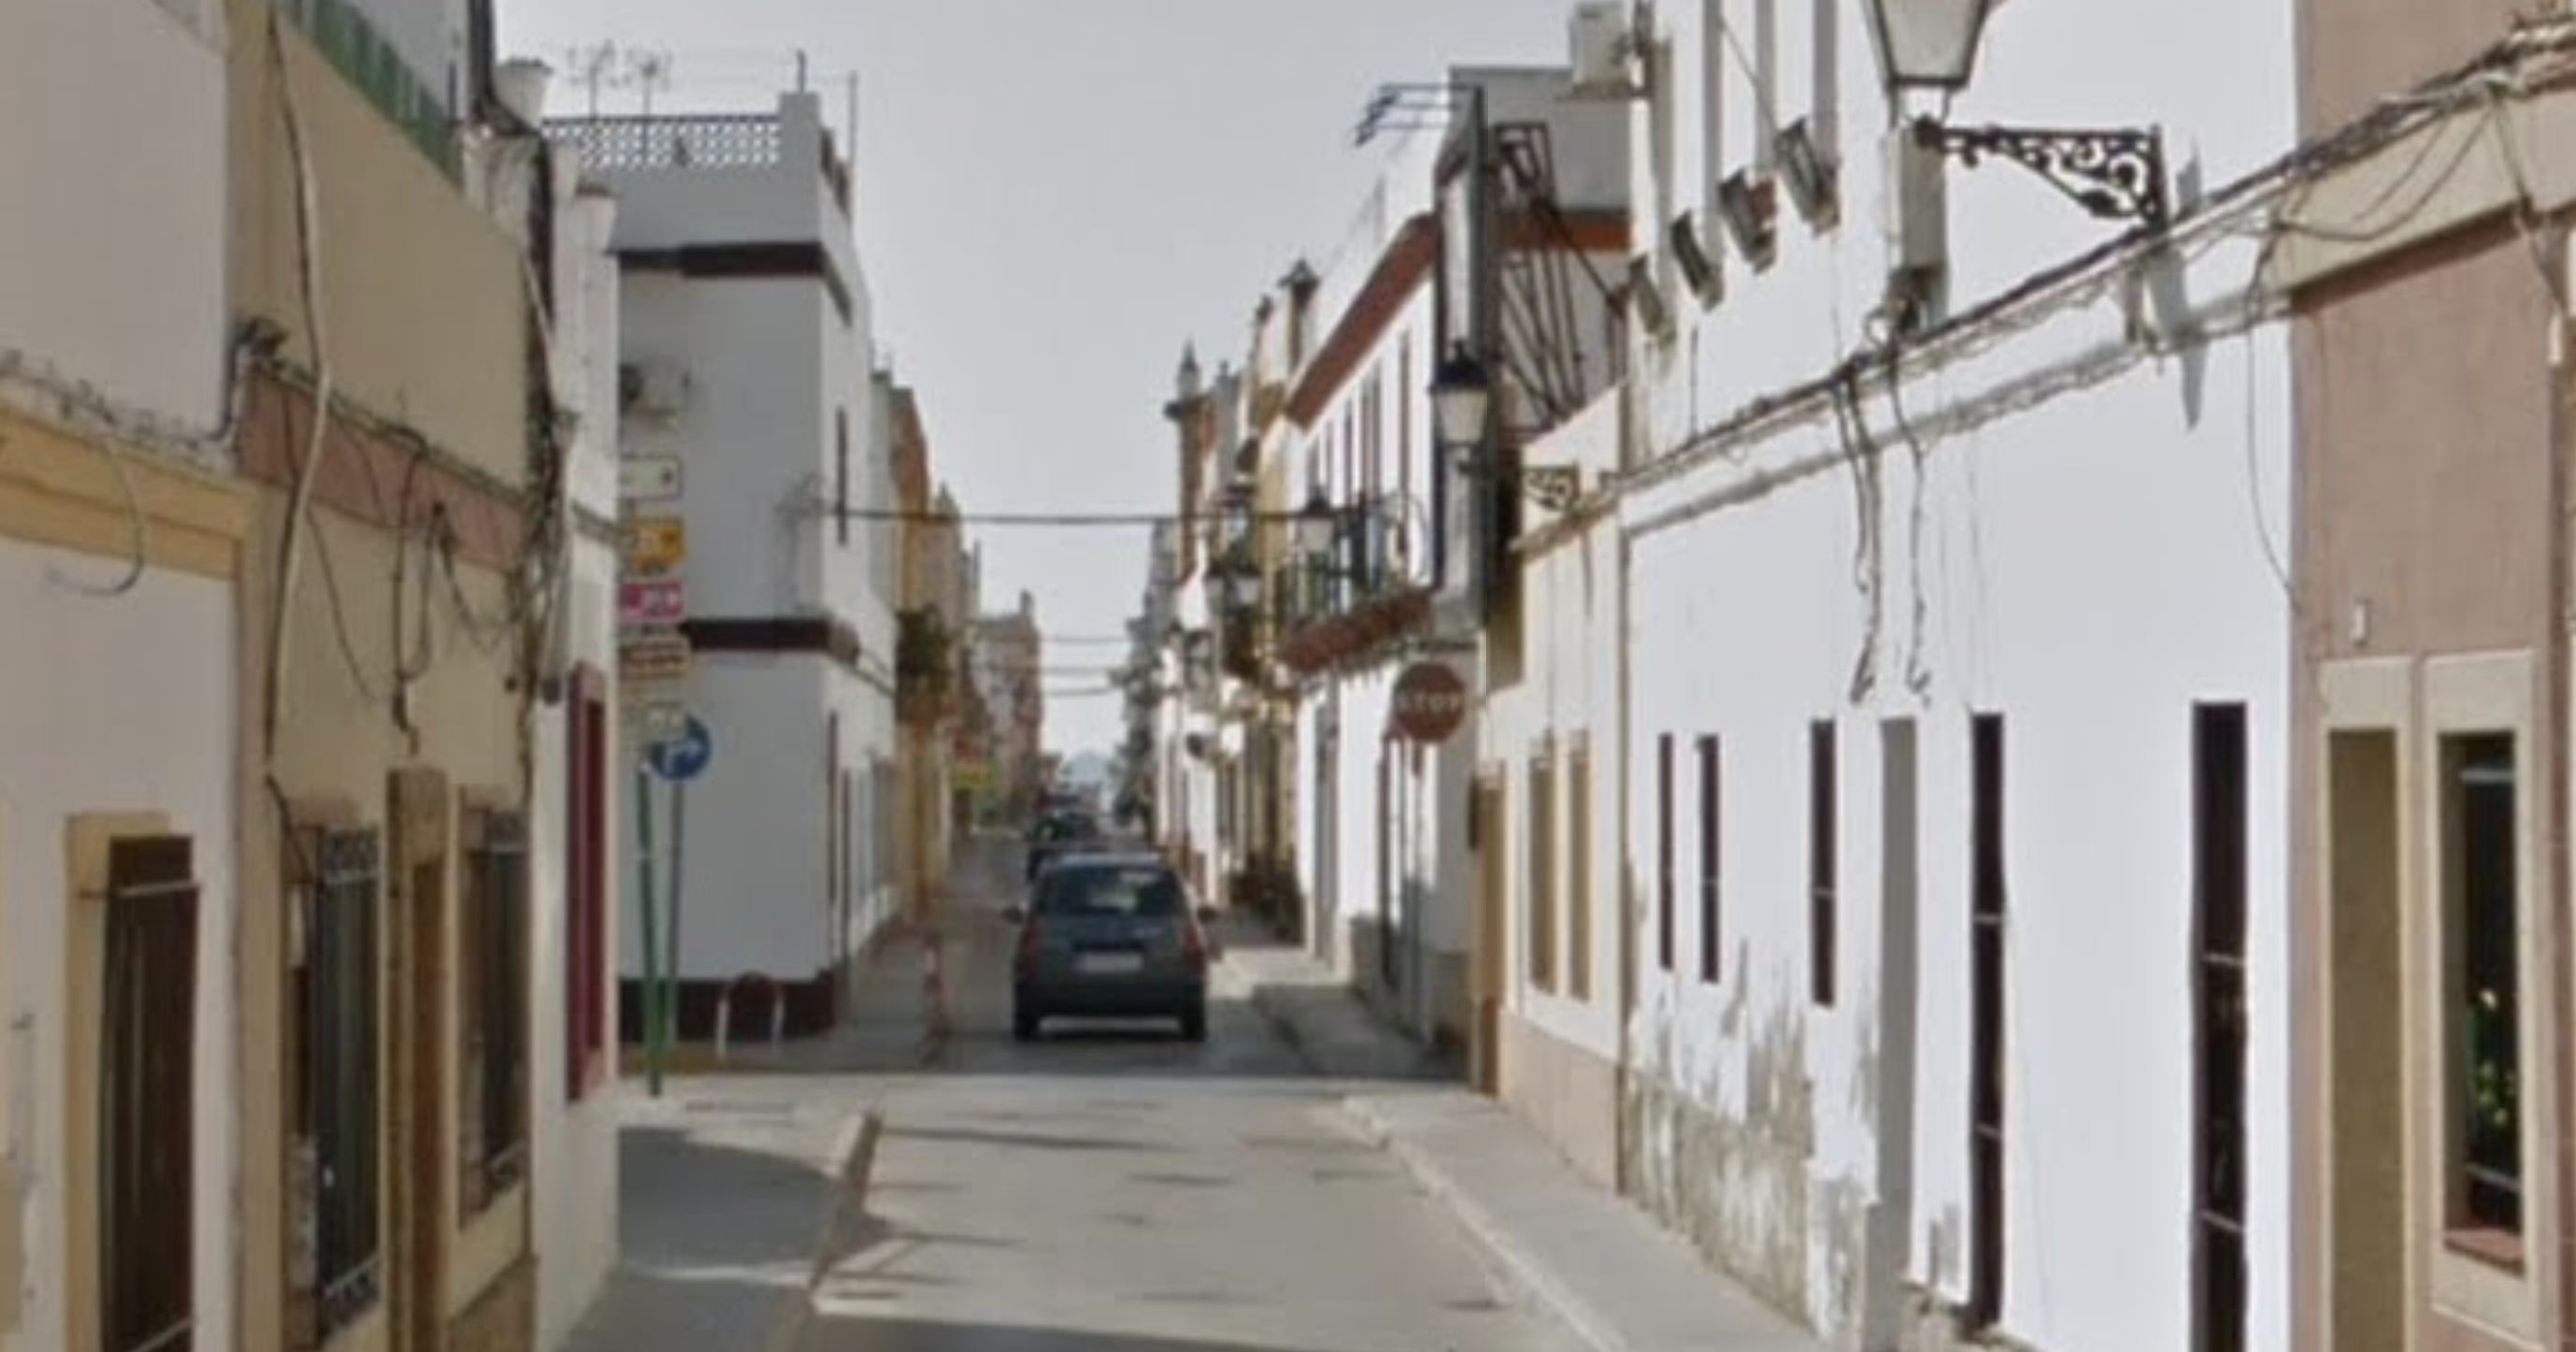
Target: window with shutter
146,1169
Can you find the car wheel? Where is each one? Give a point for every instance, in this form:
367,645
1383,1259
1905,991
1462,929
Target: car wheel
1194,1024
1024,1025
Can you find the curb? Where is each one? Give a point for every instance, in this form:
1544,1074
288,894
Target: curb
853,1159
1523,1276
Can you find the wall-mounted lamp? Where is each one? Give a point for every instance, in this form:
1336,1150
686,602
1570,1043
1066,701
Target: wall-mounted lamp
1697,268
1751,209
1237,578
1318,526
1462,397
1810,173
2116,174
1644,301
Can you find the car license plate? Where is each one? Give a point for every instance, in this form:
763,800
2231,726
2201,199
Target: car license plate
1112,964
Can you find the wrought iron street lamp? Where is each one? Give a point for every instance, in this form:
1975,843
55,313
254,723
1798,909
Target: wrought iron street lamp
1462,394
1318,527
1462,398
1928,44
1237,579
2114,173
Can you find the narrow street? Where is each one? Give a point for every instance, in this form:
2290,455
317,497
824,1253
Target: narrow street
1116,1189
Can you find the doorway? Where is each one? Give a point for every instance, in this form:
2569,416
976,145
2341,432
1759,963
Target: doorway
1900,968
2366,1183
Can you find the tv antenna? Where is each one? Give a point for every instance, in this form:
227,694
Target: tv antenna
648,71
591,65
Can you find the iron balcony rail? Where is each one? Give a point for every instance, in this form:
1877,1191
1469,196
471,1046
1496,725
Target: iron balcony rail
1365,564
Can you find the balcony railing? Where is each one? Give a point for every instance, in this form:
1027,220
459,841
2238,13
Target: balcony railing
355,47
1365,565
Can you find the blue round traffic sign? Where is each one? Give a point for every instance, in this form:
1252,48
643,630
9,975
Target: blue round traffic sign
683,757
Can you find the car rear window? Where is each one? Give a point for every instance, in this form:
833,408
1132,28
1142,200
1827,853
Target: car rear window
1152,893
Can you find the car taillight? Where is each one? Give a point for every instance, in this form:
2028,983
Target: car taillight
1028,951
1193,946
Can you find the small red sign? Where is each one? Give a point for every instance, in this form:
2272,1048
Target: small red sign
1430,702
651,601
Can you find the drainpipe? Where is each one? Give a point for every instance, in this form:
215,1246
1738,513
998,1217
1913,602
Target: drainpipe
1631,914
2552,244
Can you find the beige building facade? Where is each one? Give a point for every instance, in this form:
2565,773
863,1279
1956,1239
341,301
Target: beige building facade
2430,879
385,975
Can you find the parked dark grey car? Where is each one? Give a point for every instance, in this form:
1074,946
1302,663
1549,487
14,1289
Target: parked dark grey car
1110,935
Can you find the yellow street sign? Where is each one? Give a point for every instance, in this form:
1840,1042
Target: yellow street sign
656,542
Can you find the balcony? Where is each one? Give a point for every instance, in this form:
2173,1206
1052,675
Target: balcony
1340,607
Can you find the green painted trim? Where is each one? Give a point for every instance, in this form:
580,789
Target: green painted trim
369,63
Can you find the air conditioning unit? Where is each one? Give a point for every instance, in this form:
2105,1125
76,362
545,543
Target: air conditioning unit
1604,44
1645,300
1750,207
653,388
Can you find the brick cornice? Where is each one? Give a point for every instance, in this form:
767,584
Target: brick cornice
378,479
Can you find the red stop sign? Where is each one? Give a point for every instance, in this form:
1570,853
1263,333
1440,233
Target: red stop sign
1430,702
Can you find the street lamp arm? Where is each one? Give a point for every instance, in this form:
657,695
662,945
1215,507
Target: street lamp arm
2116,174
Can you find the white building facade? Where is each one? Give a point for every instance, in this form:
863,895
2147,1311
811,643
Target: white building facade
1953,729
748,355
578,806
120,547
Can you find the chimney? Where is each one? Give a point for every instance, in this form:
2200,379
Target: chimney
520,85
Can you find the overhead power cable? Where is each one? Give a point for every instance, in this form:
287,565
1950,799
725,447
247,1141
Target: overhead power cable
1112,519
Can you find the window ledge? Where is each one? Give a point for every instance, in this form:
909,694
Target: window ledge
2496,1248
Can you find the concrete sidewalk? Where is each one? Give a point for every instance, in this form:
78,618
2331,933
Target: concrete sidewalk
1620,1281
729,1192
1318,1014
1601,1267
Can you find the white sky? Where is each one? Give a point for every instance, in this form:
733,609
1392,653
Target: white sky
1053,196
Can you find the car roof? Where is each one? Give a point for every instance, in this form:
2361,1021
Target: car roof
1111,859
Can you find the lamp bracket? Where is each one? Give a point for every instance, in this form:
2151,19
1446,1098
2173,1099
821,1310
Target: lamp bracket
1555,487
2116,174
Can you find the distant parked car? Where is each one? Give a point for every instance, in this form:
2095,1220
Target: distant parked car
1057,832
1110,935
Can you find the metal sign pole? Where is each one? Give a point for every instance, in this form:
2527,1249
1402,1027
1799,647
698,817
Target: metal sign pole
650,1003
679,887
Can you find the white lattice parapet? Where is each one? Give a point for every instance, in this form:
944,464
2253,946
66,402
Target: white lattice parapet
698,141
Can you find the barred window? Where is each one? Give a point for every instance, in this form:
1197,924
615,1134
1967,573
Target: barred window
337,998
492,998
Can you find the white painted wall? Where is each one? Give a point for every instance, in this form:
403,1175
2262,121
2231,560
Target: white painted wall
2092,558
112,264
575,1141
1569,688
107,716
755,858
756,433
2055,594
774,372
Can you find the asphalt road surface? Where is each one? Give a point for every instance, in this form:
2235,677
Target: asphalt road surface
1116,1189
